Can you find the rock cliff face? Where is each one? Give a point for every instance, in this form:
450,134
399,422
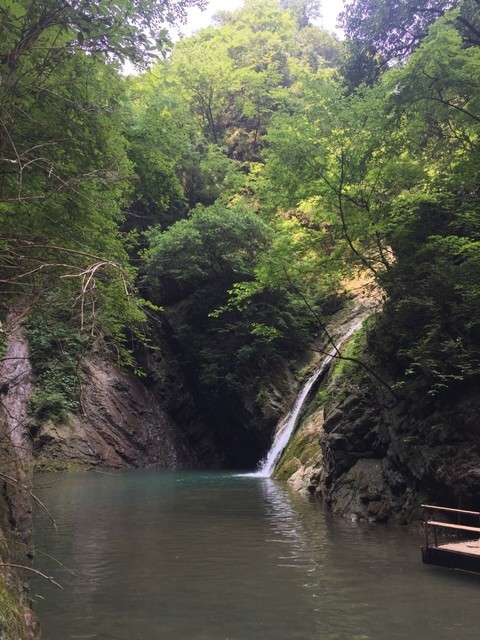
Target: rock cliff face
16,386
374,457
127,421
121,424
16,619
228,427
381,459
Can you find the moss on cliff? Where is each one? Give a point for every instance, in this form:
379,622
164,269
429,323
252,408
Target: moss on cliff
380,455
303,450
13,625
16,619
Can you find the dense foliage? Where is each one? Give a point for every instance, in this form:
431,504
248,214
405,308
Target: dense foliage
382,32
241,180
65,174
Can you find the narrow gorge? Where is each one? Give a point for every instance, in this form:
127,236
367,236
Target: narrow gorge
254,241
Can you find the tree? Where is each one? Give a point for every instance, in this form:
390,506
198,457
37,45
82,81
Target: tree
230,347
206,77
126,29
318,48
214,246
392,173
233,78
64,171
436,101
336,162
304,11
382,33
65,179
429,332
392,28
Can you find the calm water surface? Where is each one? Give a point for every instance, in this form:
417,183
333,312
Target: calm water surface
209,556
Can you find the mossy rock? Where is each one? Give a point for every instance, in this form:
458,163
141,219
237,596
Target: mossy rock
55,466
302,451
12,613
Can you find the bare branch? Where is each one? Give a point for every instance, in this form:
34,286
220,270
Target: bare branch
38,573
23,487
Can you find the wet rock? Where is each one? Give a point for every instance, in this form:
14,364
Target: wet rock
378,511
314,483
425,451
333,419
378,457
349,492
338,442
369,497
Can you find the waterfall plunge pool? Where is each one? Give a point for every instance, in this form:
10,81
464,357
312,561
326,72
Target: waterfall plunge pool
162,555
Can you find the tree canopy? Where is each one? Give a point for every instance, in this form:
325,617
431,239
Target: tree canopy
244,178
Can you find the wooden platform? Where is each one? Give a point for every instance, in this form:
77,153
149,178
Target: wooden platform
454,554
472,547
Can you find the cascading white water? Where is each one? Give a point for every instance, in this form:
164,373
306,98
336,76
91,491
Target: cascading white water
287,425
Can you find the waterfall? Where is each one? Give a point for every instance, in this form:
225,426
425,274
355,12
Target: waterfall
287,424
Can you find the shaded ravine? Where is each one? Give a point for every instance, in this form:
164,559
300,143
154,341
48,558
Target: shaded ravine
286,426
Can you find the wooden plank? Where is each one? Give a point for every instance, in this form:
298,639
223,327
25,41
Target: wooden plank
451,559
459,554
449,525
431,506
471,547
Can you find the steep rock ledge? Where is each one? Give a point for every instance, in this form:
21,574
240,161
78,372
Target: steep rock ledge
17,621
381,459
16,386
121,424
371,457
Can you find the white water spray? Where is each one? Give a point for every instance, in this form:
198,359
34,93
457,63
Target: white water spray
287,425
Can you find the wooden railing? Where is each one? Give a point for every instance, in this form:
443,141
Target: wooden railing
435,524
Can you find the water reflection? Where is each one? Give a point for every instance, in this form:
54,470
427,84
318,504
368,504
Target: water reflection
192,556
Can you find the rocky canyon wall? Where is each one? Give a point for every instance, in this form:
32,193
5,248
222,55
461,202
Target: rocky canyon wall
17,621
373,456
122,422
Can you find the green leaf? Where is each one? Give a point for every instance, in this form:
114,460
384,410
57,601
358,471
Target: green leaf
17,10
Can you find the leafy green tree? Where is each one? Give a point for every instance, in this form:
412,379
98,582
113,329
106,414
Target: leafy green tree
233,78
193,267
125,29
432,286
336,161
438,105
392,172
304,11
64,172
205,76
381,33
429,332
215,245
157,146
317,48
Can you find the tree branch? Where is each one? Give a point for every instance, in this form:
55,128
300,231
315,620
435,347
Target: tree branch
38,573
